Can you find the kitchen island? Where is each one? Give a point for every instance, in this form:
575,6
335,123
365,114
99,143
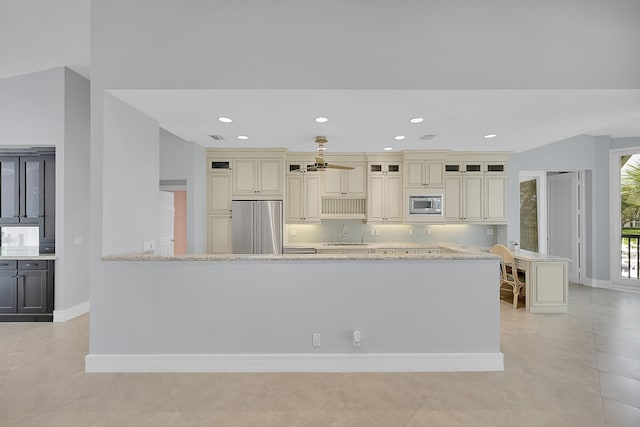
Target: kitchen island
248,313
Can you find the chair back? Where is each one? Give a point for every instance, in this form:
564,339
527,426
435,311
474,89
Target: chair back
508,274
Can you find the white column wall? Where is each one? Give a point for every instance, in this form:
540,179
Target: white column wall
131,178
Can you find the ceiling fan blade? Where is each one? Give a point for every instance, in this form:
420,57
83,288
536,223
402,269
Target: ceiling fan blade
312,169
348,168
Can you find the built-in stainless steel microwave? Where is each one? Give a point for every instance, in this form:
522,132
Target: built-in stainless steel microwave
427,204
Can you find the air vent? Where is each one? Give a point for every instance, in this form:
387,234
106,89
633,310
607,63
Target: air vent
217,137
427,137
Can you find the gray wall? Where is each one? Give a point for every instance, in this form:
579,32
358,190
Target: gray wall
414,44
131,178
51,108
197,307
72,245
183,160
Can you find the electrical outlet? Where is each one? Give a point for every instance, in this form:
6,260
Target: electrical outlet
149,246
411,232
489,231
293,232
428,231
315,340
372,232
357,338
377,232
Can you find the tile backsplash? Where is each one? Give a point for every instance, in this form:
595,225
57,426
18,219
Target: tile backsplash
359,231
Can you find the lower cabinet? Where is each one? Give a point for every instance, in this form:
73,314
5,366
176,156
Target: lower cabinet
26,290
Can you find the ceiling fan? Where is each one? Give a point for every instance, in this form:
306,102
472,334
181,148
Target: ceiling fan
320,164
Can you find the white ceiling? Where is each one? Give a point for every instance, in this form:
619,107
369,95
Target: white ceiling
41,34
368,120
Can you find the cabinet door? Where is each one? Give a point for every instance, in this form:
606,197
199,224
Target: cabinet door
8,291
245,176
295,190
313,205
219,193
375,199
495,206
32,291
473,198
9,187
356,180
453,198
29,205
332,185
393,198
415,172
47,204
219,241
270,176
436,173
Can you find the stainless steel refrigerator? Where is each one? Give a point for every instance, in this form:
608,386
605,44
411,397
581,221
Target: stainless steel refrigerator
256,226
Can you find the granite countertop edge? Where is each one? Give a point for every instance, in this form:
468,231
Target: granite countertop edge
43,257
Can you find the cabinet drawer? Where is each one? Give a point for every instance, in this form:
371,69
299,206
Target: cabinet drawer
8,265
32,265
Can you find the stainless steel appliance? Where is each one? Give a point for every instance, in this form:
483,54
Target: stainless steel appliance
425,204
256,226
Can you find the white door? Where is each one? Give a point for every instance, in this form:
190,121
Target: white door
563,219
167,211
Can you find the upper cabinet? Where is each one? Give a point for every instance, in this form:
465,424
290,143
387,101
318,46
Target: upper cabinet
20,190
384,191
343,183
27,194
475,189
258,177
421,171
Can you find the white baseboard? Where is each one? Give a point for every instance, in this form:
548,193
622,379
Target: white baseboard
596,283
70,313
428,362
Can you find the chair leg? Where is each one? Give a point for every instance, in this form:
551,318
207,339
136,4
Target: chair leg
516,292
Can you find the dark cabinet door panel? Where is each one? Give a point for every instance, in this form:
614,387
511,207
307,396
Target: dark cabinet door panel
32,291
8,291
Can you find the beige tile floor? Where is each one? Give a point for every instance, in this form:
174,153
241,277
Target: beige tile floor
579,369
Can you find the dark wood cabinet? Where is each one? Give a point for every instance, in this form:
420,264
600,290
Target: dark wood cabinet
9,190
28,193
47,204
26,290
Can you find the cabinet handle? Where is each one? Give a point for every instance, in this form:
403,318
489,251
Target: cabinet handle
28,265
4,264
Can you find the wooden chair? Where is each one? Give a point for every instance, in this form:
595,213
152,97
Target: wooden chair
509,274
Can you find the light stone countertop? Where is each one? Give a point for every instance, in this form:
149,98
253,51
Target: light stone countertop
356,245
470,255
28,257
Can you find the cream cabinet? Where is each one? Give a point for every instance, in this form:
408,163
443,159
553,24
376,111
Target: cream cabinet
303,197
384,190
258,178
475,197
219,185
424,173
495,187
219,234
340,183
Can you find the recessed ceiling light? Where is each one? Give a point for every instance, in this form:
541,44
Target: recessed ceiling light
417,120
321,119
225,119
490,135
399,137
243,137
387,148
